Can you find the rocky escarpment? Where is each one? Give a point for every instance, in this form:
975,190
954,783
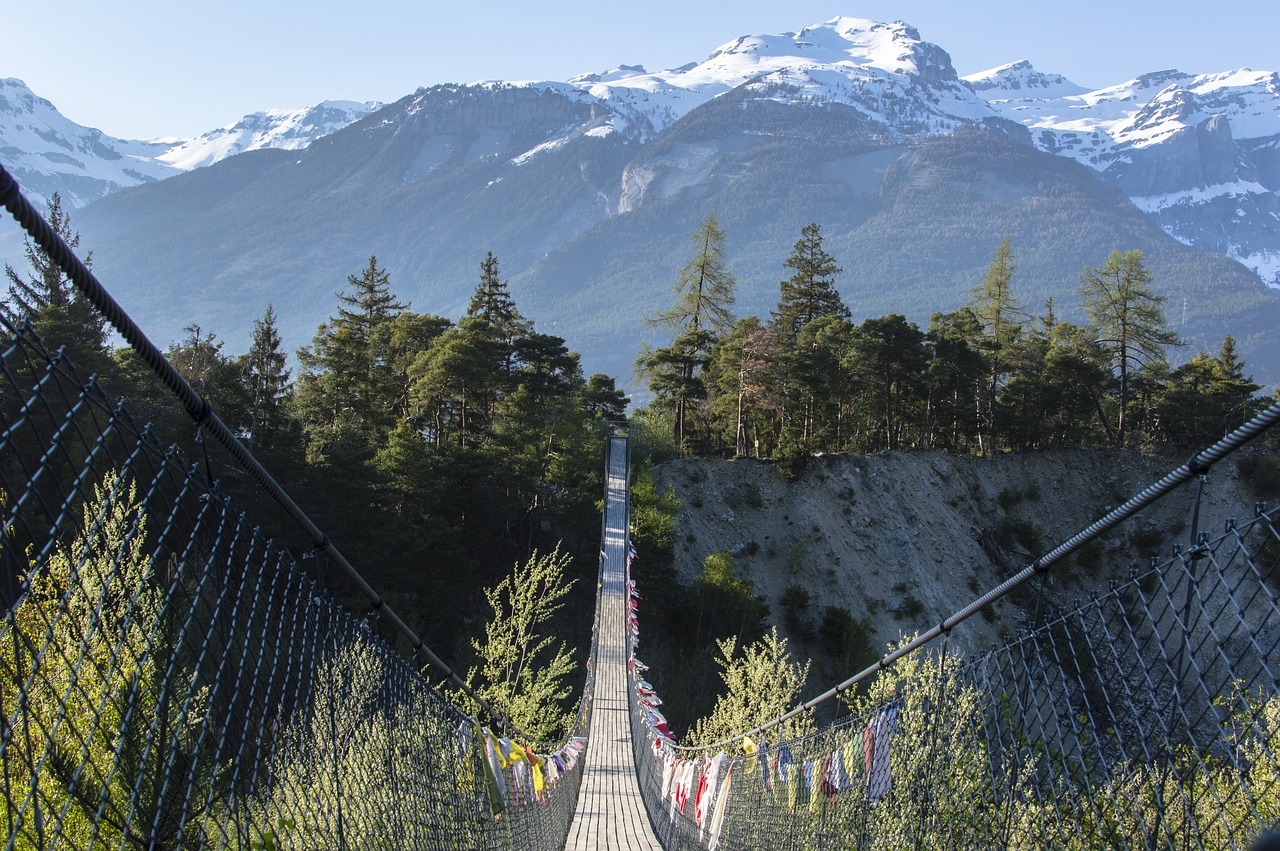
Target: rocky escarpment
903,539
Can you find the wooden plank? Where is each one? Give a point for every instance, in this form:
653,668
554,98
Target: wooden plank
611,813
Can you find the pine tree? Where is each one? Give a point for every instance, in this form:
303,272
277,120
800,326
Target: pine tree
675,376
702,313
955,376
810,292
1130,321
1206,397
347,379
449,381
266,379
602,400
888,361
55,308
1002,315
200,360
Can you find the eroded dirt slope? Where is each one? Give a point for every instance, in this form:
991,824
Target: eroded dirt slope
895,538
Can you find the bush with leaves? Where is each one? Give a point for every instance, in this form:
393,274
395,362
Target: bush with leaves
762,681
522,672
359,763
101,707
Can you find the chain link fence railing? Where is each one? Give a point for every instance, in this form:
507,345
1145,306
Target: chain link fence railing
1146,717
171,677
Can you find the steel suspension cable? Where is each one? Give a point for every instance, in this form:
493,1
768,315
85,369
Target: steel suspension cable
199,409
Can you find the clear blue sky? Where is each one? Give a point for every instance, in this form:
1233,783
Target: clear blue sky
141,69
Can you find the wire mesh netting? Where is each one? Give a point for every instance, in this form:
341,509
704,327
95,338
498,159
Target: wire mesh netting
1146,717
170,677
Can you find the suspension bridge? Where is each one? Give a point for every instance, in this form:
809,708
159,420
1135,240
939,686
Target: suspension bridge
172,677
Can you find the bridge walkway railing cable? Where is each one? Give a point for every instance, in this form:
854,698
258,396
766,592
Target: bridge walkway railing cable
1147,716
172,676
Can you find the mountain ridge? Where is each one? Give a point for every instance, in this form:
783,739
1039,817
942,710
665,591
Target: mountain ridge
587,191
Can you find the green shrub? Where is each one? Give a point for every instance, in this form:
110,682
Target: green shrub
795,602
1008,498
1011,533
798,557
849,641
910,607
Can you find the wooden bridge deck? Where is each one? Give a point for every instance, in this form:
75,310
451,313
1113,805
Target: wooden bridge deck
610,812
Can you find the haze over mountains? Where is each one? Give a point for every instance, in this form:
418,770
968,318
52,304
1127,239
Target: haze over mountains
587,191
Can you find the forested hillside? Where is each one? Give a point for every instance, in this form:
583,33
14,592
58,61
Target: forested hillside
435,452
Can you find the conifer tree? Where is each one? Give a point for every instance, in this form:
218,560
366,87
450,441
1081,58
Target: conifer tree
266,379
1130,322
705,291
200,359
888,361
1206,397
445,379
1001,313
955,376
810,292
498,317
347,379
602,400
702,313
49,300
804,363
492,299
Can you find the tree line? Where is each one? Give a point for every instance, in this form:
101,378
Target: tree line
435,451
991,376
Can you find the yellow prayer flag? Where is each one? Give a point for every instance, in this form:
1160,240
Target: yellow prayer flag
749,748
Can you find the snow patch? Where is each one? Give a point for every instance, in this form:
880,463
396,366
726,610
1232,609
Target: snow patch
1235,189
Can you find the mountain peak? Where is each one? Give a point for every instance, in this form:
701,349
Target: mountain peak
875,67
1020,79
622,72
894,47
290,129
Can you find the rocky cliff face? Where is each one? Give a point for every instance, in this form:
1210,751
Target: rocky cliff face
905,539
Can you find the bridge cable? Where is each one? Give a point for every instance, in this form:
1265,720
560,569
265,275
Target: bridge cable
199,409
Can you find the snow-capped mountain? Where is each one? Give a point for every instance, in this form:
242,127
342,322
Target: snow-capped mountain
288,129
49,152
1200,154
883,70
588,188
